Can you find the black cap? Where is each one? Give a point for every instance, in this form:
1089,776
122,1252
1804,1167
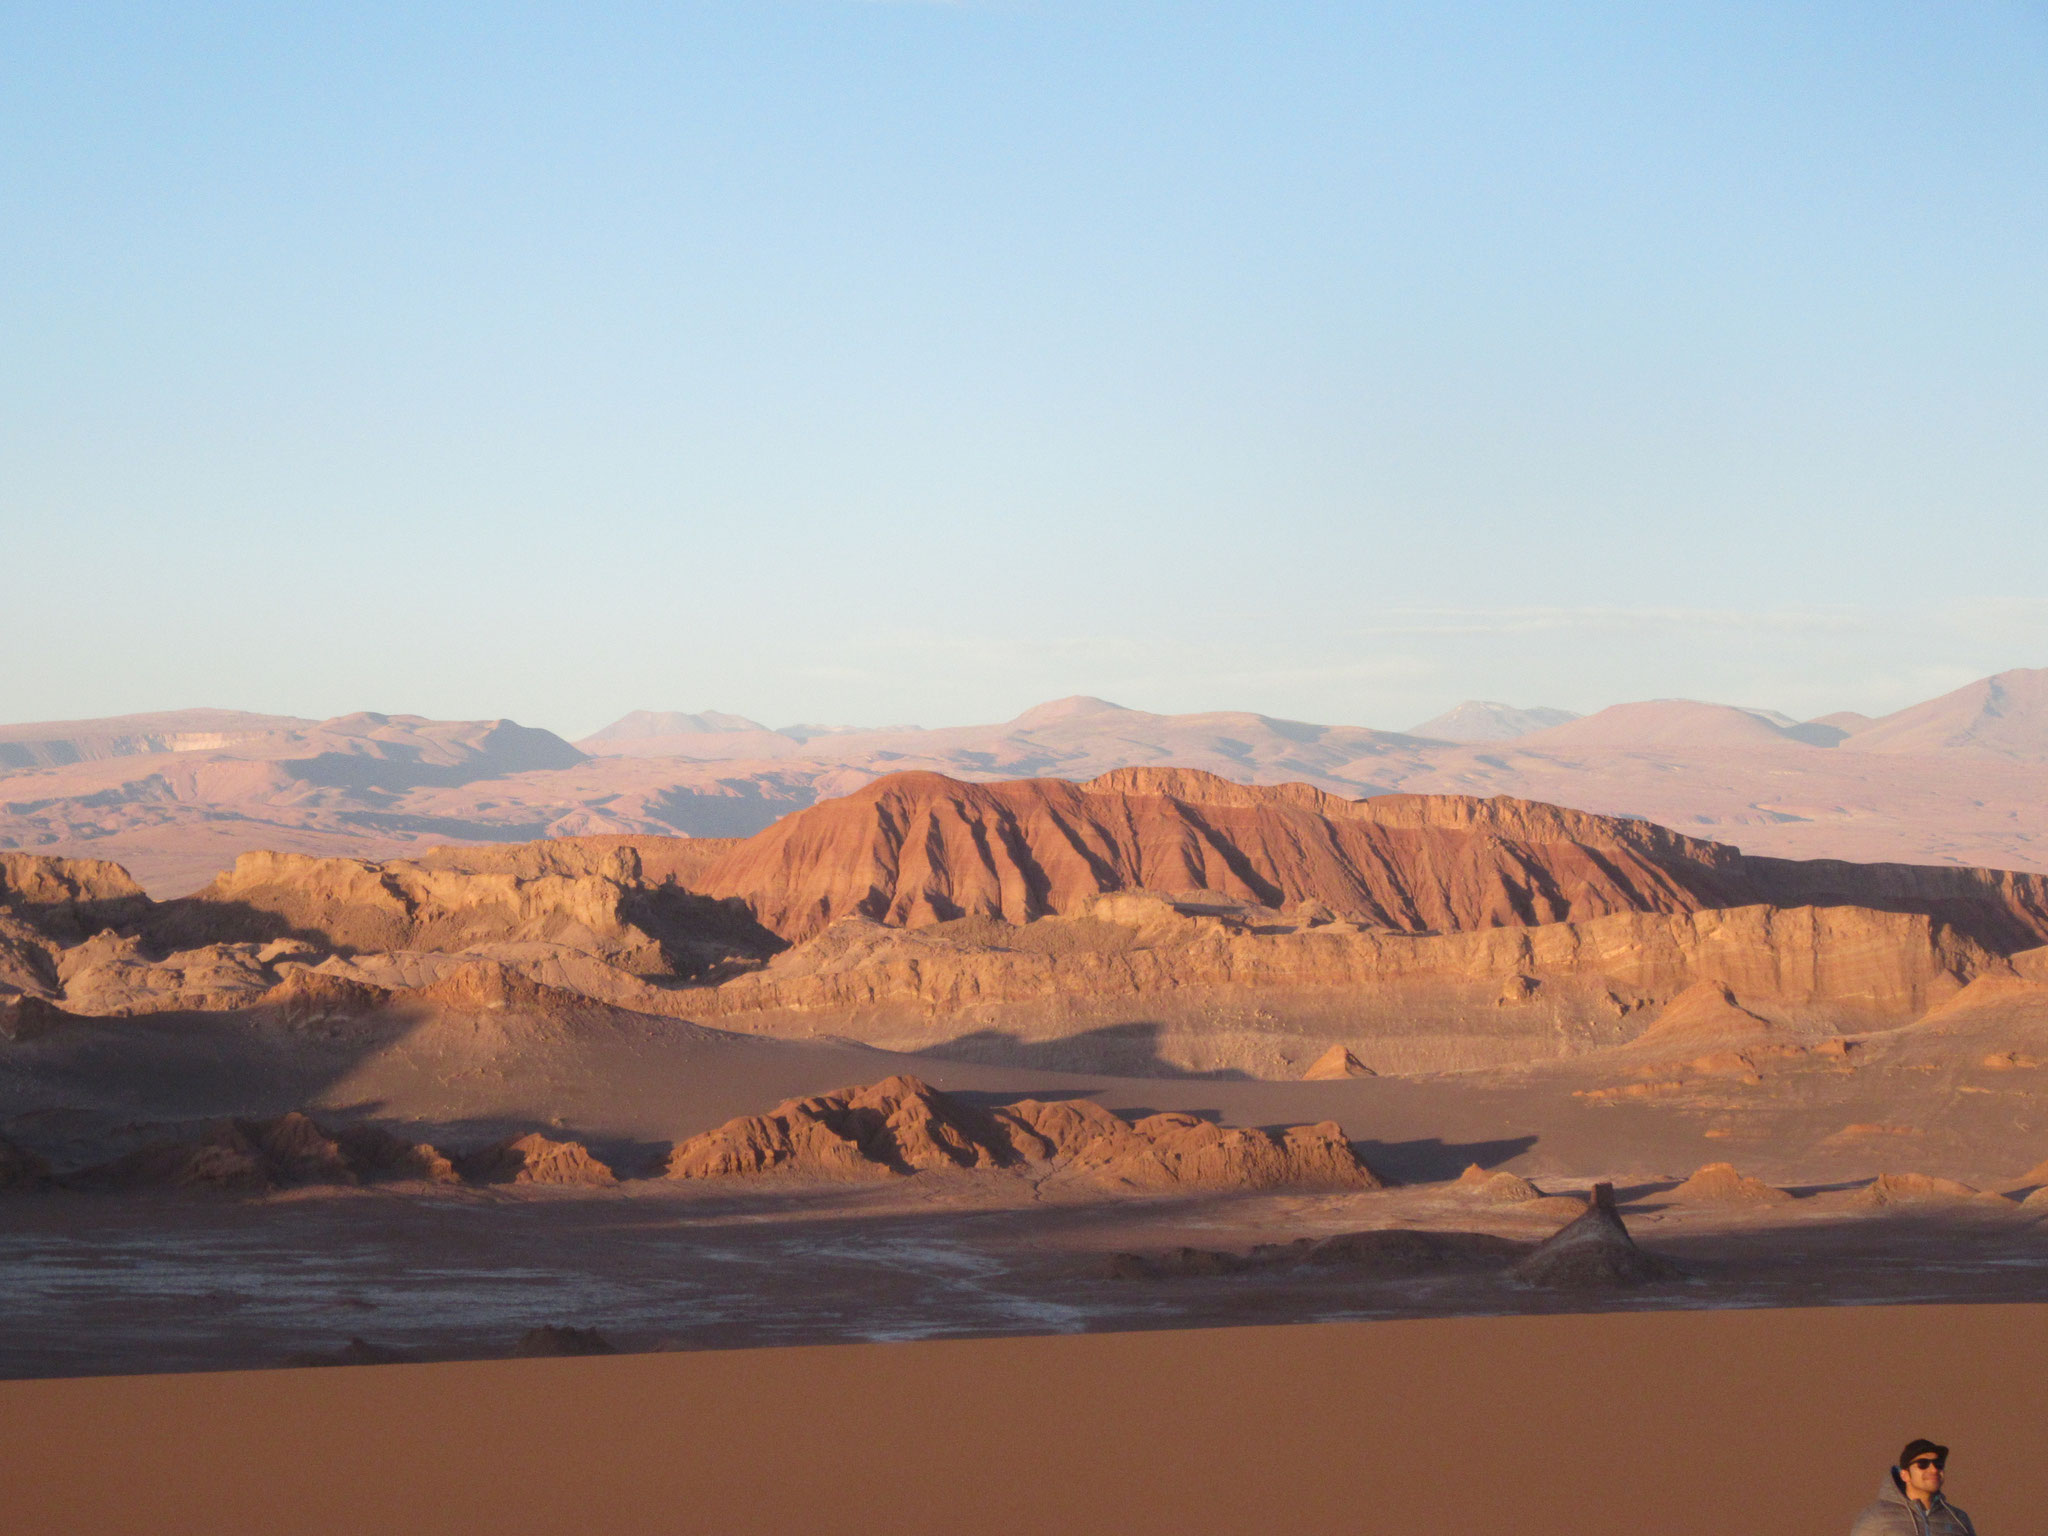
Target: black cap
1917,1448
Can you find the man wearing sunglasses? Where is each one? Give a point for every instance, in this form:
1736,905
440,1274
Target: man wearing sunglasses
1911,1503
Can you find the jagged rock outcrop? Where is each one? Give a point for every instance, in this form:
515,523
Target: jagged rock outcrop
118,974
250,1156
536,1159
919,848
356,904
48,905
902,1125
1722,1184
1594,1252
68,898
587,895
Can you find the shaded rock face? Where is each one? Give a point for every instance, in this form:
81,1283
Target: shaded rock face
551,1342
27,1017
357,1351
251,1156
1594,1252
1395,1252
68,899
919,848
1891,1189
902,1125
536,1159
21,1168
1721,1184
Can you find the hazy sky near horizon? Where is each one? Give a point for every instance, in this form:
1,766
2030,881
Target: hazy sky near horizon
858,361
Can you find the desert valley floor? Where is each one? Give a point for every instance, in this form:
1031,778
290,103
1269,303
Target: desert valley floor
942,1059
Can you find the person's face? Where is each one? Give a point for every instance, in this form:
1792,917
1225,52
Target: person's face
1922,1475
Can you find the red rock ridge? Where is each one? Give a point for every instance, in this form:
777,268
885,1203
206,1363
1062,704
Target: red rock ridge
915,849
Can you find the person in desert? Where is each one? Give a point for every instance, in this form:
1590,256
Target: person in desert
1911,1501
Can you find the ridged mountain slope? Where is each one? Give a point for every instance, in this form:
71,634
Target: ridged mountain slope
920,848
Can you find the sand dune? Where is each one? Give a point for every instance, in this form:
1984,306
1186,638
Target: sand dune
1483,1424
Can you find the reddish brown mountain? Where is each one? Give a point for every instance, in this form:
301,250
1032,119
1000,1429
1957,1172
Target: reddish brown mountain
919,848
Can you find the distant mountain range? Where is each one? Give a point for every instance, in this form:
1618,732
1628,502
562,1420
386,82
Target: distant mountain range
1961,778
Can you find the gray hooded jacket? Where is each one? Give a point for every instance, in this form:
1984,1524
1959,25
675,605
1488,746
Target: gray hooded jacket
1896,1515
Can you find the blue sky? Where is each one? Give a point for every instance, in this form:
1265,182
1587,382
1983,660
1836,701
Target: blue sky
859,361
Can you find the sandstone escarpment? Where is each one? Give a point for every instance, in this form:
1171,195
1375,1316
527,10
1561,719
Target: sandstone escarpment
902,1125
354,905
1878,968
914,849
54,889
917,848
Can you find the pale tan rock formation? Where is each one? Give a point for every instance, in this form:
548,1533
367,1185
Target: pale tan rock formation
902,1125
1721,1184
1705,1013
352,904
1334,1064
52,887
1883,967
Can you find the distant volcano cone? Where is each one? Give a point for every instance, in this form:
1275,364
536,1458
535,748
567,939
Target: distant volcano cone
1595,1251
1336,1062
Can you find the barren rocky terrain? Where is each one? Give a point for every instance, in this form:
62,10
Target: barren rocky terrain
943,1057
